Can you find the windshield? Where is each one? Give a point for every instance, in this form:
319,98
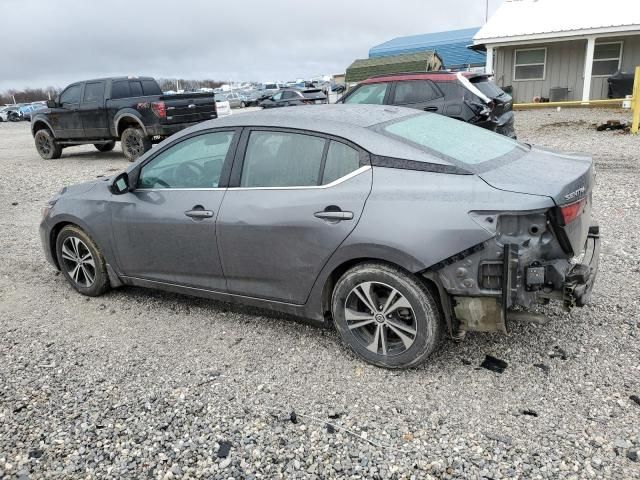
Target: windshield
453,139
372,93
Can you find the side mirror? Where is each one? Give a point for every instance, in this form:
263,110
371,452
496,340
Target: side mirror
52,104
120,184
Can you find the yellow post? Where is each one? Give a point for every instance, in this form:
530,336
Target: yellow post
635,101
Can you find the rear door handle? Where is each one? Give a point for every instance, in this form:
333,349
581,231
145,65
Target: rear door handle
339,215
430,109
199,213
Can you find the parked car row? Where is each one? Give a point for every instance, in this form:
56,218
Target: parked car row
16,113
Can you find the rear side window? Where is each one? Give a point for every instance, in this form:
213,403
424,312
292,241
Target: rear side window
150,87
120,89
372,93
490,89
71,95
341,160
280,159
93,92
451,138
415,91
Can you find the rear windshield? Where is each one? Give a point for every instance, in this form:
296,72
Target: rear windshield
490,89
452,139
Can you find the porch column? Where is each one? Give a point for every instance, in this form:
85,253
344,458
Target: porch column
588,64
489,65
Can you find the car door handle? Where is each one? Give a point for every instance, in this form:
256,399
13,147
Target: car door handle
430,109
334,215
199,213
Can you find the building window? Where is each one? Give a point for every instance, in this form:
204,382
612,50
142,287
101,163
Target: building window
606,59
529,64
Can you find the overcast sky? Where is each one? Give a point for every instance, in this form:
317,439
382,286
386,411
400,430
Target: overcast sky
46,42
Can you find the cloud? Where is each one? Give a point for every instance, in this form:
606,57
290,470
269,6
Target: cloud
55,43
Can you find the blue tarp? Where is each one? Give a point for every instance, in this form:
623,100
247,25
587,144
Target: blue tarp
451,46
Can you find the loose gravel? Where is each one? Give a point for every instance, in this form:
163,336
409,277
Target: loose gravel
142,384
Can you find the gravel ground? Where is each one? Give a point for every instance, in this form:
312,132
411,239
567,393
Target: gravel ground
145,384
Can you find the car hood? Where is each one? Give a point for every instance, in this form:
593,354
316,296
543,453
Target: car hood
565,177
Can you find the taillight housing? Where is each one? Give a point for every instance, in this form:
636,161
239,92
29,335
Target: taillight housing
159,109
571,211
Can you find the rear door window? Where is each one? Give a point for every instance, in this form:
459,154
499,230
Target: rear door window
120,89
282,159
371,93
341,160
415,91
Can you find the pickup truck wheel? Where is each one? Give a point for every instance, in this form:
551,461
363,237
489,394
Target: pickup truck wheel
46,145
105,147
386,316
134,143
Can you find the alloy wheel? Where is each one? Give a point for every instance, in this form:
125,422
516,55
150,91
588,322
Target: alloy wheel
380,318
78,261
44,144
133,146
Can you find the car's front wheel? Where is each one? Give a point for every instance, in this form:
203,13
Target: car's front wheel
81,262
386,316
46,145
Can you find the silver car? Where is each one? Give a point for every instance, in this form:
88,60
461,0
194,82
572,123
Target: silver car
397,226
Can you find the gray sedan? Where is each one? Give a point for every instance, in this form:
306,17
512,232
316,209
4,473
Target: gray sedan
397,226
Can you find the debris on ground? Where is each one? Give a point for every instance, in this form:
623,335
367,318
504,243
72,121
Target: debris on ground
558,352
543,367
612,125
224,449
494,364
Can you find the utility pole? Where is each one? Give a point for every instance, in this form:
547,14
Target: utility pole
486,11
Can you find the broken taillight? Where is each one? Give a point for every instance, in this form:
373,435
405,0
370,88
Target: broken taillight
159,109
571,211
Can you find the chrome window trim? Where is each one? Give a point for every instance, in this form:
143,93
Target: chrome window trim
309,187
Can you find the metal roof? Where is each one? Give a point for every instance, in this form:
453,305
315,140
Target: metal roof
539,19
451,46
364,68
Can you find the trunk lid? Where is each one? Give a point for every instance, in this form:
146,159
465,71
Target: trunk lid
566,178
189,107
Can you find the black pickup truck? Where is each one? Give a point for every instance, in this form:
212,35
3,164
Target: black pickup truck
103,111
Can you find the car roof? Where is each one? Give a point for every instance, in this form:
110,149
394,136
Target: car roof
352,122
434,76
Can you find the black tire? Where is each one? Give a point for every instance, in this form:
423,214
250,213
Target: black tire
423,316
46,145
90,281
134,143
105,147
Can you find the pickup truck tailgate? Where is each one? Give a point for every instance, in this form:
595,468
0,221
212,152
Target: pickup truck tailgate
186,109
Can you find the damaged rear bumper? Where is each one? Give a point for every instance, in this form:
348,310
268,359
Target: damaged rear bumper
516,280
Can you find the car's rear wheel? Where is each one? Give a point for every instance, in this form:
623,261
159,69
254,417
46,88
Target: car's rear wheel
81,262
105,147
386,316
134,143
46,145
